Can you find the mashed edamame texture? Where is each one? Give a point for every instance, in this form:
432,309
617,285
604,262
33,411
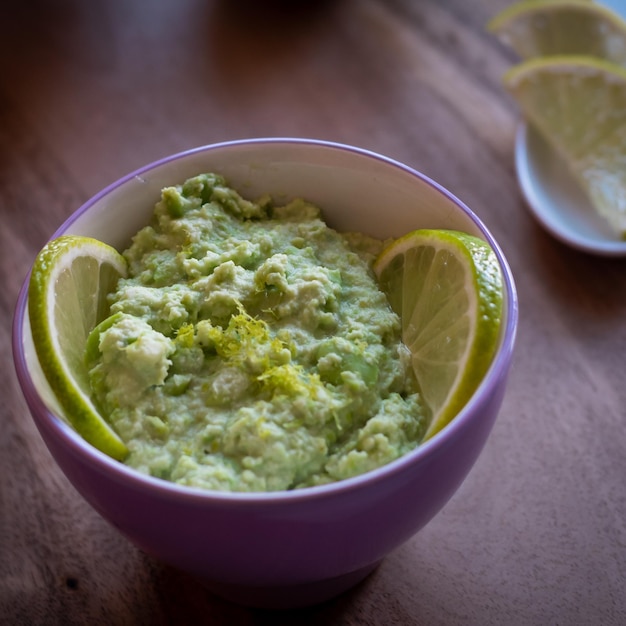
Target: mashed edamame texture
250,348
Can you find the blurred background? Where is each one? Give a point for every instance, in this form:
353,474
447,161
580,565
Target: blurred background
92,90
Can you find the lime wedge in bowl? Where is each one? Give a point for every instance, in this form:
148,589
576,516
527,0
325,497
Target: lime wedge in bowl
70,280
446,286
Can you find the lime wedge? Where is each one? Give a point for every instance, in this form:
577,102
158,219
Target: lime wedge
579,105
446,286
535,28
70,280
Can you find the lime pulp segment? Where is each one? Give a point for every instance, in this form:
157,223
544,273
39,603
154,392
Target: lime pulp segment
539,28
579,105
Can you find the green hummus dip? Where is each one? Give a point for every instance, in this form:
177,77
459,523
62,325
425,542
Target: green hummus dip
250,348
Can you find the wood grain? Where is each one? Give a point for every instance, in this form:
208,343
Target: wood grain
92,90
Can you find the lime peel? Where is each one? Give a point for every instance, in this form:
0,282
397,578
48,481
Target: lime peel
69,282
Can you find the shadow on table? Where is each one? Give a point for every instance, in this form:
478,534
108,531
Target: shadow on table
183,598
580,283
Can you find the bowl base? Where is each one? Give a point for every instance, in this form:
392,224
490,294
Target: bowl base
289,596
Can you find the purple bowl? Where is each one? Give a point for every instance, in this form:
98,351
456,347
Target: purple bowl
293,548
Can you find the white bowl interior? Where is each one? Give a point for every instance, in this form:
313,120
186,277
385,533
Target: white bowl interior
356,191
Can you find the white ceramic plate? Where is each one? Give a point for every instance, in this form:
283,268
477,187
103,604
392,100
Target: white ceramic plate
556,199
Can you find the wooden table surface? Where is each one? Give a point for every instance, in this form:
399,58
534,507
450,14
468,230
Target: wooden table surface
92,90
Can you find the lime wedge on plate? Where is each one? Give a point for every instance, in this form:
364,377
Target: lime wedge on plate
578,104
446,286
70,280
534,28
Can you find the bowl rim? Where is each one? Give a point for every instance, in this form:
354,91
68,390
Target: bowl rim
122,473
